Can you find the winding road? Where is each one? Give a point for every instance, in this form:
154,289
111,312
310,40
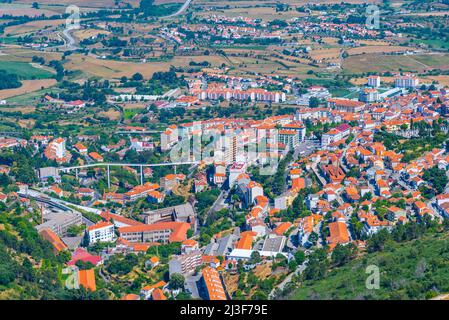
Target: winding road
70,43
181,10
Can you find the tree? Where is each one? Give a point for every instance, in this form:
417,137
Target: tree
85,241
292,265
84,265
314,102
300,257
177,281
378,240
255,257
437,177
343,254
137,76
317,265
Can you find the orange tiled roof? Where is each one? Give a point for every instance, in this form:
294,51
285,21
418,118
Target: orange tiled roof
53,238
158,294
338,232
86,278
213,284
246,240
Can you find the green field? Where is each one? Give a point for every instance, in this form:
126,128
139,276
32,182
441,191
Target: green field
381,63
32,97
432,60
436,43
130,113
24,70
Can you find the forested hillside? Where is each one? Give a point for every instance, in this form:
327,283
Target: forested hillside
28,267
410,269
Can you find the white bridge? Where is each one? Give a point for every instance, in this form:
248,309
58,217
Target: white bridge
109,164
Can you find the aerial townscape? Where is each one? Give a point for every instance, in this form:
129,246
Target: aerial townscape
224,150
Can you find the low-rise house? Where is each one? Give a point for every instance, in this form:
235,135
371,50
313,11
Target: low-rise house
189,245
171,180
96,156
160,231
338,233
83,255
148,289
54,239
86,279
82,149
155,196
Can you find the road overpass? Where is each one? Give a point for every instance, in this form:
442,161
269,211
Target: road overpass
116,164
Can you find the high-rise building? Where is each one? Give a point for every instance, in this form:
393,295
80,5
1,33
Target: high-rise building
374,81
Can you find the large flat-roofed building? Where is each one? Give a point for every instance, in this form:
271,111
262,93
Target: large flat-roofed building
49,172
406,81
156,232
345,105
102,231
369,95
374,81
60,221
181,213
274,243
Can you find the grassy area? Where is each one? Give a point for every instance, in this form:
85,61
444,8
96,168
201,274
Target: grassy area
380,63
411,270
8,40
432,59
25,71
31,97
436,43
130,113
337,92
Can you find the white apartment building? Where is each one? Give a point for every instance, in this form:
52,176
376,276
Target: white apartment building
369,95
406,81
101,232
169,137
374,81
234,171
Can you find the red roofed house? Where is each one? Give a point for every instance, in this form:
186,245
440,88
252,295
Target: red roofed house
96,156
338,233
83,255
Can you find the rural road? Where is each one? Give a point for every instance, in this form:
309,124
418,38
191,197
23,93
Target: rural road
70,43
288,279
181,10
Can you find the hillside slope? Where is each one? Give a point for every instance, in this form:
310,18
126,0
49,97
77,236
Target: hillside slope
416,269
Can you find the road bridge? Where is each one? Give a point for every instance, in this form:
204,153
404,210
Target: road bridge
114,164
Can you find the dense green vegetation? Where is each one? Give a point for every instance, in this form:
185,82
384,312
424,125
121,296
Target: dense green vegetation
429,137
8,81
148,8
28,267
412,260
436,177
